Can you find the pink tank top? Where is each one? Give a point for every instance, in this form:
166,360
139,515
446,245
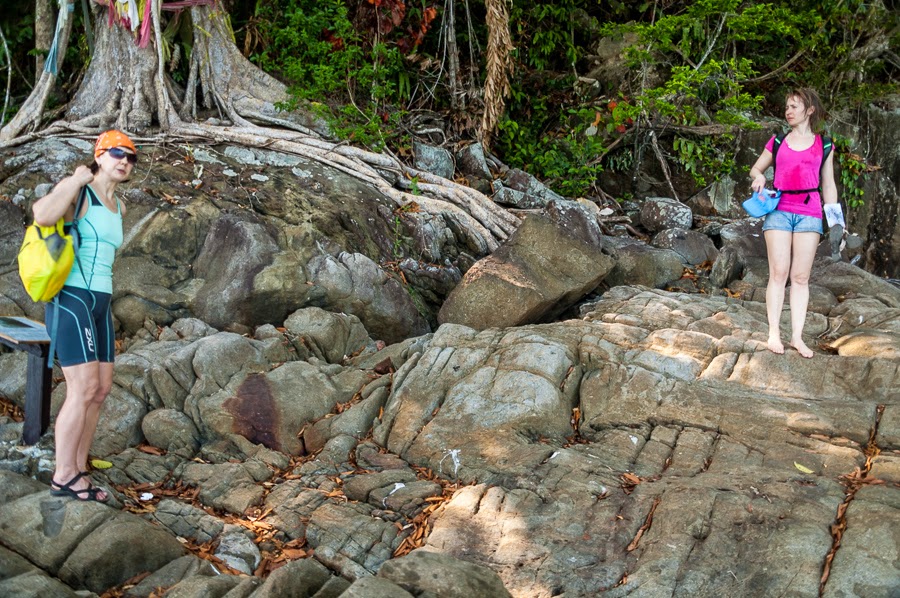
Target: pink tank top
795,171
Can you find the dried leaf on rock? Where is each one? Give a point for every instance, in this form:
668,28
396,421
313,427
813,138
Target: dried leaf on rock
802,468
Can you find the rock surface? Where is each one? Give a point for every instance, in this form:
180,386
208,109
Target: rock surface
652,446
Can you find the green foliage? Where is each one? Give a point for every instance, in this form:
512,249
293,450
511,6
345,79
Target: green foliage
314,46
354,83
568,160
710,65
853,170
551,34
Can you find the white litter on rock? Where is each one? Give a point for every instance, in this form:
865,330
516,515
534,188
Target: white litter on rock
146,496
454,456
397,486
634,440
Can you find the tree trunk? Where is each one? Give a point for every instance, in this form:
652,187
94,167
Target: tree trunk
118,88
29,115
496,87
43,34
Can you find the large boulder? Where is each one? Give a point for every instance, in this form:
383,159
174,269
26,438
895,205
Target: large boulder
693,247
544,268
430,572
638,263
660,213
354,284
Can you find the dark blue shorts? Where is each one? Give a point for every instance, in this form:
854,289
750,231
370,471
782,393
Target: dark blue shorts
85,329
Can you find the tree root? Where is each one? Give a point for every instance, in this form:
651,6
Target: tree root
127,86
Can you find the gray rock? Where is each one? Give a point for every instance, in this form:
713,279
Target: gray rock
348,540
869,343
12,232
354,284
406,498
539,272
842,279
201,586
238,551
329,336
375,587
863,566
693,247
264,408
302,578
171,574
421,571
188,521
116,551
355,422
726,268
48,529
637,263
243,155
18,577
229,486
12,376
239,290
119,426
515,199
171,430
361,486
470,161
519,180
435,160
334,587
661,213
14,486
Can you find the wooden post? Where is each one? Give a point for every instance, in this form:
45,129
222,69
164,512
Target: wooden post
38,379
23,334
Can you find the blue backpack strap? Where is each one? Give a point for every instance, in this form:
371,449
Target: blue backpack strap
51,357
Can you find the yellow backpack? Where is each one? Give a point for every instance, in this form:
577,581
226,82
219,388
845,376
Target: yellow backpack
46,257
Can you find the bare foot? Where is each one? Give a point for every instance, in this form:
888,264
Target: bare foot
802,348
775,345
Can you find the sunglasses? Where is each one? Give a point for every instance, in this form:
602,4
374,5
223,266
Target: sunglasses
117,153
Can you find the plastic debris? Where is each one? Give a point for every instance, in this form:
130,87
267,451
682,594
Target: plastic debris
454,456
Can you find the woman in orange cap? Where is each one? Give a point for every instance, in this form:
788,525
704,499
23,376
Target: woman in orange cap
80,319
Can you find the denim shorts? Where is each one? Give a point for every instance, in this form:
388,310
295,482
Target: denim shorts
793,223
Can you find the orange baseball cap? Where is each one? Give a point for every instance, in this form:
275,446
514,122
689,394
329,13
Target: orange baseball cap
111,139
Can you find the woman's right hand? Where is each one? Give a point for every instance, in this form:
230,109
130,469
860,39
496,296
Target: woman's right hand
83,176
759,183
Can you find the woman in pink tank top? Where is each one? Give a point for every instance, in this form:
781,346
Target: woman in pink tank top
792,231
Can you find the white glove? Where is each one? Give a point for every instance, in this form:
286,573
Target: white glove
834,215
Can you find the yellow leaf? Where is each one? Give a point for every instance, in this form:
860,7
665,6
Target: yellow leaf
802,468
100,464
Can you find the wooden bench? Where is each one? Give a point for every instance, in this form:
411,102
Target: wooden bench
23,334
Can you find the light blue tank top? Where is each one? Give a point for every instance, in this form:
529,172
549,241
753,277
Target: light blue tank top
100,234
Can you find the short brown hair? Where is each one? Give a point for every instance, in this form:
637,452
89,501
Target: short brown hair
809,98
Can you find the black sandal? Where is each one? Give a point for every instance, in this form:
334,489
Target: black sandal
89,493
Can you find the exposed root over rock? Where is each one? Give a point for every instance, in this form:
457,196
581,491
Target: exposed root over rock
127,87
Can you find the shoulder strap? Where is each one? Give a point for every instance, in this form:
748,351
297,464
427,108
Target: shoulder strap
76,236
827,146
55,301
775,146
